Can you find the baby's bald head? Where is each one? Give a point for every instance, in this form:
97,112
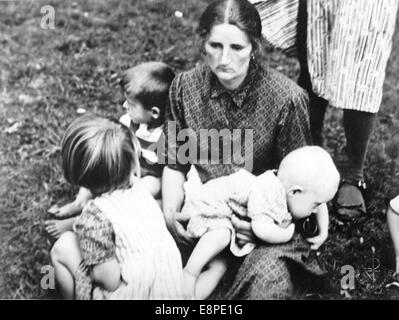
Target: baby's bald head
310,167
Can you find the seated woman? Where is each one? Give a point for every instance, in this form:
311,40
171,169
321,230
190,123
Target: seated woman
233,91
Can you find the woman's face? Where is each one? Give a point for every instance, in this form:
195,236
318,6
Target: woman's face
228,53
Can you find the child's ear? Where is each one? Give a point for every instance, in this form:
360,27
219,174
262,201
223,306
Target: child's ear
155,112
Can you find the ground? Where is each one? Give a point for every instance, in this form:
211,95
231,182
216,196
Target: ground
46,76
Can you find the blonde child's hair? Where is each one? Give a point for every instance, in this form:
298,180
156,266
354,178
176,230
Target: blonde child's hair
310,167
99,154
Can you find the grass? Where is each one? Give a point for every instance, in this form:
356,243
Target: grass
46,75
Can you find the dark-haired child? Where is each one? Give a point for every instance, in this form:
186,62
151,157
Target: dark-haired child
146,88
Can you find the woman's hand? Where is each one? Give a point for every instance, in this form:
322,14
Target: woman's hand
243,230
177,230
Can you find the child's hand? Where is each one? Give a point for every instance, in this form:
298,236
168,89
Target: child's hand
317,241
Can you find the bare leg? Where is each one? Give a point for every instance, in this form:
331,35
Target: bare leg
207,248
55,228
73,208
66,256
209,279
393,225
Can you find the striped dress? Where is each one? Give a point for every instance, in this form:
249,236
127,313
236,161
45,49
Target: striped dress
348,46
279,22
128,225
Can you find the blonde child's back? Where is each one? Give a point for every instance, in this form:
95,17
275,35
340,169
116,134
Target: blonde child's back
150,261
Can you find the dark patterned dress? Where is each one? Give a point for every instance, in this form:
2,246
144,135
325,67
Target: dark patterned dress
274,108
268,106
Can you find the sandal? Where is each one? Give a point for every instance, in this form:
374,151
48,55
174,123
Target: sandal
349,200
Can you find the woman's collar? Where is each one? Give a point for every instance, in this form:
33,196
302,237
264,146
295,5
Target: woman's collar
238,95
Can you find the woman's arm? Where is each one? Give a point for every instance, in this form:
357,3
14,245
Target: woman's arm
172,201
172,192
294,125
107,274
174,173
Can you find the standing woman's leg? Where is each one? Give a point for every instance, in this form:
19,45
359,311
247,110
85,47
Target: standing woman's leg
358,126
359,54
317,104
342,63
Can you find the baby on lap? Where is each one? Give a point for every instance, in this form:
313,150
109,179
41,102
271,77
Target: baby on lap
304,182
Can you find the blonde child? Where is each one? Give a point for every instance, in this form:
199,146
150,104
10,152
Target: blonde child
305,181
145,88
120,247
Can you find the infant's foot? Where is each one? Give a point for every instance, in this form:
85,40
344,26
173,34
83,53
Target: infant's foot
57,227
189,285
67,210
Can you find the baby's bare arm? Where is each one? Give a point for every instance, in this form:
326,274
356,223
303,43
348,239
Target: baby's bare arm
322,219
266,230
107,274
